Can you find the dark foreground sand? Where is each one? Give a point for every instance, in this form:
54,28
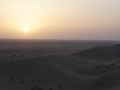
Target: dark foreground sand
96,68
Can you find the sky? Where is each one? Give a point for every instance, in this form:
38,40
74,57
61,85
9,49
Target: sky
60,19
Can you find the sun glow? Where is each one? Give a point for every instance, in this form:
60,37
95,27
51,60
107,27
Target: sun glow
25,30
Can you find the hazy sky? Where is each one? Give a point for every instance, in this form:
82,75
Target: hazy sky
60,19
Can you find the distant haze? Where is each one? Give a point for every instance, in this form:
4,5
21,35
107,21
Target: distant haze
60,19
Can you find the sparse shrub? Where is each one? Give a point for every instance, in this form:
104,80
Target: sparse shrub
21,81
33,80
101,64
106,66
118,55
112,64
42,88
98,84
22,56
39,80
97,67
50,89
9,81
35,87
89,73
14,55
12,78
35,56
45,65
60,86
97,60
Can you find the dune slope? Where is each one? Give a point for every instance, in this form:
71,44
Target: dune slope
100,53
51,70
93,69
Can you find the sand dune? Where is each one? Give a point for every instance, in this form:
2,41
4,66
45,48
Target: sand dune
107,81
52,70
96,68
71,72
100,53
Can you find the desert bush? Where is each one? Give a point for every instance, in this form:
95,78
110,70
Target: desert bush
12,78
33,80
9,81
35,56
22,56
21,81
97,67
50,89
118,55
39,80
89,73
106,66
101,64
97,60
98,84
45,65
35,87
112,64
60,86
14,55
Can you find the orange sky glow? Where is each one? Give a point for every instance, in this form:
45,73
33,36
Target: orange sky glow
60,19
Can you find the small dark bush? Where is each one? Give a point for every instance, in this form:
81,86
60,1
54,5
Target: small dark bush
50,89
9,81
89,73
112,64
14,55
35,87
33,80
39,80
45,65
21,81
106,66
21,55
117,54
97,67
98,84
97,60
101,64
35,56
60,86
12,78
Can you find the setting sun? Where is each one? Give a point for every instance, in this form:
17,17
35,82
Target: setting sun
25,30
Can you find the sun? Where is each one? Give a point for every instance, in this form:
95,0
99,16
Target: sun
25,30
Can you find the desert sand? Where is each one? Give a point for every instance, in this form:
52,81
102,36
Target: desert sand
59,65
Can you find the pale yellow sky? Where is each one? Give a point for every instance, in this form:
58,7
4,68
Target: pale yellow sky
60,19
